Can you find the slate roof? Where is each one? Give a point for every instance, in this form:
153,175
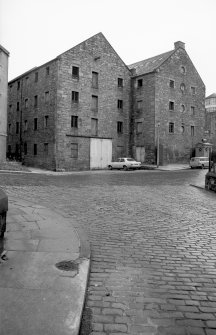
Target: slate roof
150,64
213,95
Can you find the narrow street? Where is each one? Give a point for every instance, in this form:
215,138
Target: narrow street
153,247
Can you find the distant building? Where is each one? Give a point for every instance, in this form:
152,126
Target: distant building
4,54
210,123
86,107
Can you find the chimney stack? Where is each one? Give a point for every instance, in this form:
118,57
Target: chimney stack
179,44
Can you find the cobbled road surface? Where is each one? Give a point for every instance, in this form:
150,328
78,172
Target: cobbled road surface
153,244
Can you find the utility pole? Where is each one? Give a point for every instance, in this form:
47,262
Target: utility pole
158,143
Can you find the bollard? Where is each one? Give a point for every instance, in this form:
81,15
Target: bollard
3,212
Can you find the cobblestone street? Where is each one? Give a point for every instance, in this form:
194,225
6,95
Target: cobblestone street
153,246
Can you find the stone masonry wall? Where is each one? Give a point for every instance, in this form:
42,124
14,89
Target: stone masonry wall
178,146
40,82
93,55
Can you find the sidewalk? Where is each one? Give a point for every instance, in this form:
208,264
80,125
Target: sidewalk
39,295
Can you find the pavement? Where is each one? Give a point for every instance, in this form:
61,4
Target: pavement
44,268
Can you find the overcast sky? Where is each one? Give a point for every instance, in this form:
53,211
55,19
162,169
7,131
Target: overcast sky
36,31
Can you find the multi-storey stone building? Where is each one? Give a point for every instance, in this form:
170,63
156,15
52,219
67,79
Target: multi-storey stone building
168,106
86,107
4,54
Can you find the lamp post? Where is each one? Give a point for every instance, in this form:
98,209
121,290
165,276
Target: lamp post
158,144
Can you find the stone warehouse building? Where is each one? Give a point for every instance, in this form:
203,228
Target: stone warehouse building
86,107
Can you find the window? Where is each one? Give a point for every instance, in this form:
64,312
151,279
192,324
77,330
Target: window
139,127
139,105
35,101
120,104
192,110
35,123
35,149
74,150
75,96
182,129
192,130
36,77
9,128
47,96
46,118
94,103
171,83
18,106
47,70
183,70
25,125
171,105
183,108
94,79
139,83
18,85
46,149
26,103
27,81
17,127
25,148
74,121
120,82
75,72
171,128
119,127
193,90
94,127
182,87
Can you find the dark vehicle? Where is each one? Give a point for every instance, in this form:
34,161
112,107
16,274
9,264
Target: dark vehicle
3,212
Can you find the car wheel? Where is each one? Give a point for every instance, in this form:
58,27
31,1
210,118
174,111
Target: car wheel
125,168
110,167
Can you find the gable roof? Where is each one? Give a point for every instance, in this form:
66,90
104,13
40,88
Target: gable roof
150,64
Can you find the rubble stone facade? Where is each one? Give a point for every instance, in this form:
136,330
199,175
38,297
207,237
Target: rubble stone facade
86,93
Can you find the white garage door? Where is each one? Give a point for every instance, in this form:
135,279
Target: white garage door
100,153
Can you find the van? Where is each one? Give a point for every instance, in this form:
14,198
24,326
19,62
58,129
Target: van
199,162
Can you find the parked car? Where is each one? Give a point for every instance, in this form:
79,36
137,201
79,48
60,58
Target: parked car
199,162
125,163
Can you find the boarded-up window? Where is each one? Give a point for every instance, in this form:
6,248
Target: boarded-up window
74,150
94,127
35,101
47,96
120,82
94,79
46,149
26,103
192,130
139,127
46,118
94,103
75,72
139,105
